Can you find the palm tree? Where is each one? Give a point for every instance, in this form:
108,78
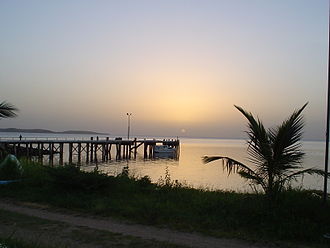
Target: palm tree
7,110
275,153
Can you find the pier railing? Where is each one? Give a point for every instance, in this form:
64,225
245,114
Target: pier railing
42,138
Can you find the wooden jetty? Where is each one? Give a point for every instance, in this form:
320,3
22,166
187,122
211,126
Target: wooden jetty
78,151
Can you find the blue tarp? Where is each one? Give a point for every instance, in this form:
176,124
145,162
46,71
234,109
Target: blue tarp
8,181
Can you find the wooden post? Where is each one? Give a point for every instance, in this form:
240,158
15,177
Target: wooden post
116,151
61,153
106,146
70,153
124,151
92,147
95,152
145,147
119,151
135,148
91,151
110,151
87,152
40,152
106,153
79,153
103,152
150,151
51,153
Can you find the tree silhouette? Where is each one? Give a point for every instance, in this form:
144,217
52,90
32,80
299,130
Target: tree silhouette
275,153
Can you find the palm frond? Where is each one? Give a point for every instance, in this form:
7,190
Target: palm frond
259,148
310,171
230,164
208,159
234,166
285,141
7,110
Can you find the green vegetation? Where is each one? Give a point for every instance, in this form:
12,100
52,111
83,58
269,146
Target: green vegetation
276,154
300,216
10,168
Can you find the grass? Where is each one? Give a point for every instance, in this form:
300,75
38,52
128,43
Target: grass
12,223
39,233
299,217
18,243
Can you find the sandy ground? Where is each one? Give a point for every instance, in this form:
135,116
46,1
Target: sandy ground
122,228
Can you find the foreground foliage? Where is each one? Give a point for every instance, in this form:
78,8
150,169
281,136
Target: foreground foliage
275,153
300,216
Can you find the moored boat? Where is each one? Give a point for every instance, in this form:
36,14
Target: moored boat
164,150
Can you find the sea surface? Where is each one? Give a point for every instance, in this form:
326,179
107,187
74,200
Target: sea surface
189,168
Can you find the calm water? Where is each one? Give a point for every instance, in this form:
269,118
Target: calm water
190,169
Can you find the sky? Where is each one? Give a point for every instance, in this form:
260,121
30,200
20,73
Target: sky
178,66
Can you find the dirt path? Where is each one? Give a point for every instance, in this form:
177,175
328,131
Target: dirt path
136,230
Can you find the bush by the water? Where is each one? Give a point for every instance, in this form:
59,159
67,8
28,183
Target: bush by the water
72,178
10,168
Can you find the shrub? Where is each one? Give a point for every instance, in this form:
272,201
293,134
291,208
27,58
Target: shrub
72,178
10,168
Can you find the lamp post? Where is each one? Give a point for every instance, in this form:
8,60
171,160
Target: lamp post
128,123
325,193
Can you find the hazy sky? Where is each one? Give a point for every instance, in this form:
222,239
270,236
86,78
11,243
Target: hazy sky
179,66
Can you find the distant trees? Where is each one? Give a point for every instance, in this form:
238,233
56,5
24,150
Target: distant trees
276,154
7,110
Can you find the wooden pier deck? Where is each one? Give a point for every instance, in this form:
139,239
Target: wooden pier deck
77,150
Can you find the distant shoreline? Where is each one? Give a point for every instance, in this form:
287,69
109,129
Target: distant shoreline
18,130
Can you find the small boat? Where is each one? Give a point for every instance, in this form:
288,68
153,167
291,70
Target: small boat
164,151
9,181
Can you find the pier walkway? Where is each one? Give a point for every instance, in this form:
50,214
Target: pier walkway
91,150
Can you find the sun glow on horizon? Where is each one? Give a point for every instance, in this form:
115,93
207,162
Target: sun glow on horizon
168,93
179,103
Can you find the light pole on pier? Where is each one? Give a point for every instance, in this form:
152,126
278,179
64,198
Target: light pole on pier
325,190
128,124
